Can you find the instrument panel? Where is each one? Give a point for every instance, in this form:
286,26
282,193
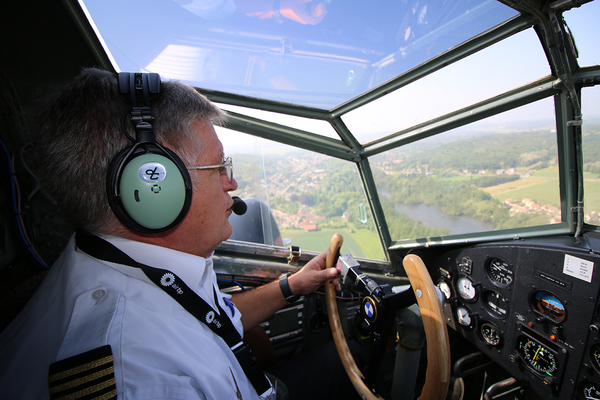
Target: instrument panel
532,308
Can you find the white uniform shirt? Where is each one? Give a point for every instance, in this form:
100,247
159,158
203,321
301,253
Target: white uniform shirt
159,349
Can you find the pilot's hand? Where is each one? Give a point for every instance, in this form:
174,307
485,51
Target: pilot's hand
313,275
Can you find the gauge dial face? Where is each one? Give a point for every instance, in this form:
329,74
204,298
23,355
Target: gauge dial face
464,317
491,334
465,288
537,356
500,272
445,289
495,304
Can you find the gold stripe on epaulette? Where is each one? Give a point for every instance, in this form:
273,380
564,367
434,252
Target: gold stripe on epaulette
85,379
89,375
79,369
92,389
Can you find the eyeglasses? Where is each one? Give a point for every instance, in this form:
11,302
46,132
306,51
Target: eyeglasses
226,168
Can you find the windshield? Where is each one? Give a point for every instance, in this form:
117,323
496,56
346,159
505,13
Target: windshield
318,54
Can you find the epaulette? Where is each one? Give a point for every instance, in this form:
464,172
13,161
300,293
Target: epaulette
90,375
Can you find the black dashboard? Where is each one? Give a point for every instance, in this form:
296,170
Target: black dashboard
531,307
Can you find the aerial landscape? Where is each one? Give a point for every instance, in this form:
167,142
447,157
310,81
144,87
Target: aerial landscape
452,186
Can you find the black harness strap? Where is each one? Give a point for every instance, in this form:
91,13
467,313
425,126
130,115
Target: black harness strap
171,284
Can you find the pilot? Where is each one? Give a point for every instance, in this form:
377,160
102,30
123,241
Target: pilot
131,309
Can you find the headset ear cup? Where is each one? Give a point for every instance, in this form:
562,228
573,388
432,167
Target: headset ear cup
149,192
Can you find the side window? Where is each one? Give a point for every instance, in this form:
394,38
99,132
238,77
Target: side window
590,101
498,173
297,197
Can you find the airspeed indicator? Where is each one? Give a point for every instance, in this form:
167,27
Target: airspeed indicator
499,272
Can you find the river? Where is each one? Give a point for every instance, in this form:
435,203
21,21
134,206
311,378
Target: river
434,218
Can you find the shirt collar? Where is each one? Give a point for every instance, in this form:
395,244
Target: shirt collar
188,267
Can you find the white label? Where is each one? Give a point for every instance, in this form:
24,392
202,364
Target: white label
578,268
153,172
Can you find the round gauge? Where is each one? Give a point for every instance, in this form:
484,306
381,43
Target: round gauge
590,391
445,289
594,354
537,356
466,289
464,317
491,334
499,272
549,306
495,304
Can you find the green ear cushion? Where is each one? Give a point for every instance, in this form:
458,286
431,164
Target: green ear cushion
152,190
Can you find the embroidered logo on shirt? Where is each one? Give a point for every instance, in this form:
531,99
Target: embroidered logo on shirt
167,279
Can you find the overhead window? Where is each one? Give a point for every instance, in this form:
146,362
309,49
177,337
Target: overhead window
317,54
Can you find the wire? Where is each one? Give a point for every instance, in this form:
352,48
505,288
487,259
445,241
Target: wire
37,186
16,206
344,296
232,281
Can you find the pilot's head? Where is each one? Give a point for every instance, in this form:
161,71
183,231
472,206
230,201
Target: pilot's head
85,126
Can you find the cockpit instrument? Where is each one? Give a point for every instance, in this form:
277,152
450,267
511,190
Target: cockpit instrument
466,265
590,391
495,304
463,316
594,354
548,305
538,356
466,288
499,272
490,334
445,289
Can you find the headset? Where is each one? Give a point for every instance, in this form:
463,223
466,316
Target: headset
148,186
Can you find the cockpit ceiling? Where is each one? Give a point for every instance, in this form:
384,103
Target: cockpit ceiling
319,54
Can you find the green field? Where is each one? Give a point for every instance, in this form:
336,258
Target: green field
591,192
550,172
543,191
369,246
543,187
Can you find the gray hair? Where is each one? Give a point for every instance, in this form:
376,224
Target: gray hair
81,133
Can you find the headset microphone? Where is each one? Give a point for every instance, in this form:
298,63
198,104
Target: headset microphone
239,207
